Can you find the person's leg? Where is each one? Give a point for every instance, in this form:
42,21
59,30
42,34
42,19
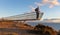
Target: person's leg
37,15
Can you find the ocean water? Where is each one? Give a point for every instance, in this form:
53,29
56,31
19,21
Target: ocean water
55,26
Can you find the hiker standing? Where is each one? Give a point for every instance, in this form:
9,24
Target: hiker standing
37,12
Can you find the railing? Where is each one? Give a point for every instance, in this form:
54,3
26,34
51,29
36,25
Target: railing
26,16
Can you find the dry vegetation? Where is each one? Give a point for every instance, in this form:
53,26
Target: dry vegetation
11,24
19,28
8,33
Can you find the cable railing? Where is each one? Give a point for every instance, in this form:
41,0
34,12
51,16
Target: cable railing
31,15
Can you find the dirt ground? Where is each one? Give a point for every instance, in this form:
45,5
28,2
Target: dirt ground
14,28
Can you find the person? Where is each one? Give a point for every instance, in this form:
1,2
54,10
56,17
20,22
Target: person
37,12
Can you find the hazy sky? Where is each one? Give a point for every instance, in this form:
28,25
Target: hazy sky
51,9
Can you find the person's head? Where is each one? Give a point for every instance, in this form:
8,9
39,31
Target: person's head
37,9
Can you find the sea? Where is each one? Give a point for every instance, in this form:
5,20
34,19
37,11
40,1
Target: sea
54,25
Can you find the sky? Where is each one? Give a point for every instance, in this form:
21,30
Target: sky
50,8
